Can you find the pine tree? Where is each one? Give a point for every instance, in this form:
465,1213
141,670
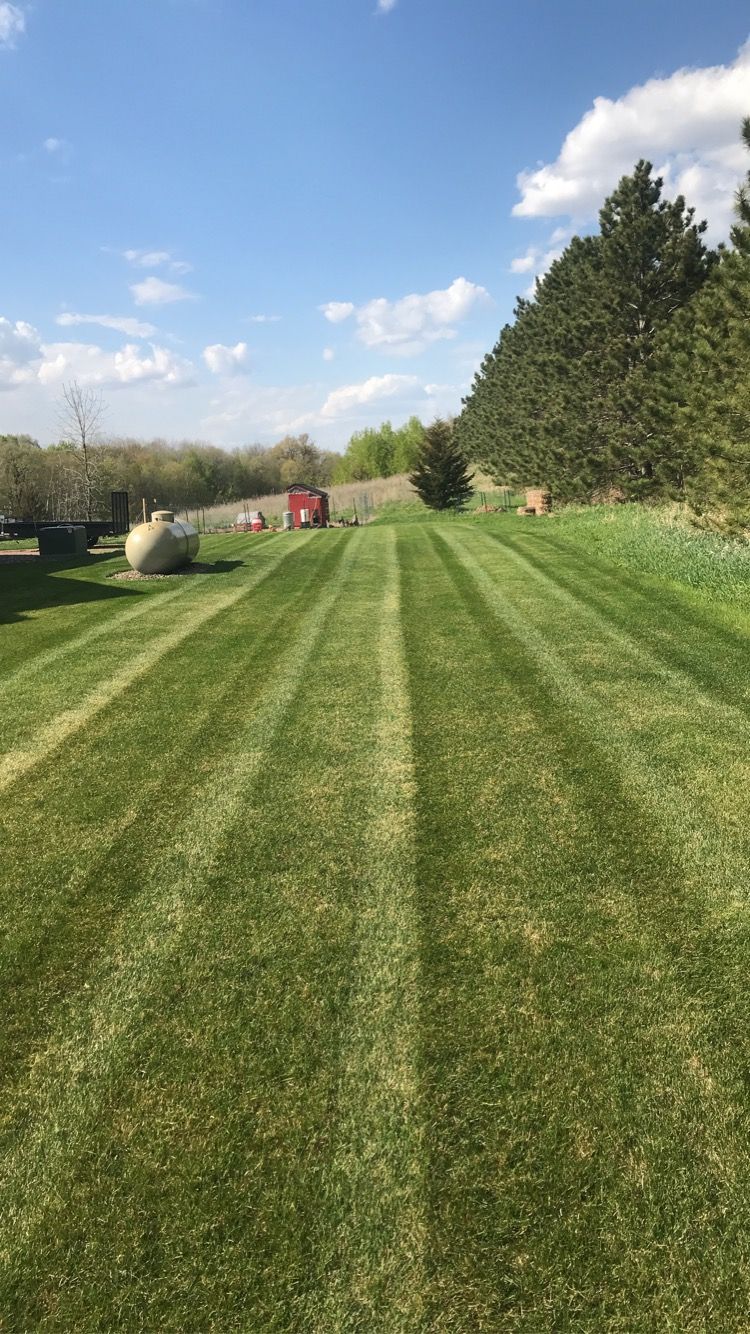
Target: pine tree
441,476
654,261
705,401
564,399
534,415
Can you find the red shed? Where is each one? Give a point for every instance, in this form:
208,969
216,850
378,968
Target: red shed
308,498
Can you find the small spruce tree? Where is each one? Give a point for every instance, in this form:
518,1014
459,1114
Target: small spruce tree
441,475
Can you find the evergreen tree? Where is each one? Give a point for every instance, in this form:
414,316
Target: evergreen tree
703,410
441,476
562,401
654,261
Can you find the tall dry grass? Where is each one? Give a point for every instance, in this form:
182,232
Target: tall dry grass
366,497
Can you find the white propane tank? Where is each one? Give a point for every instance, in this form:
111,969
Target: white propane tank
287,520
161,546
304,518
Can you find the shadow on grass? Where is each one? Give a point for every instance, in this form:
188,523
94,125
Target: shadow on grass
220,566
34,583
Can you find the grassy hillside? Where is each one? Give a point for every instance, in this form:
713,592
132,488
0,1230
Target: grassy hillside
375,940
660,540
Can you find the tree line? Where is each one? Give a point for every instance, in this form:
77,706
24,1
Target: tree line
380,451
627,374
67,481
73,478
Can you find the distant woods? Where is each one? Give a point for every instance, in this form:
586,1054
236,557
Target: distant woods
380,451
61,482
73,479
627,374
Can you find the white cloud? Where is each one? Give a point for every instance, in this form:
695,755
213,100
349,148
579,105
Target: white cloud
222,360
328,354
154,259
385,6
350,396
12,23
147,259
20,350
155,292
26,360
407,326
524,263
539,259
131,365
336,311
121,323
687,123
264,319
54,145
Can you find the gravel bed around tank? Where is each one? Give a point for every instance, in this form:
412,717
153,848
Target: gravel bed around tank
195,568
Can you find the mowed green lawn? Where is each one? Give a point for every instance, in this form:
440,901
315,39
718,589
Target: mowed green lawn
376,942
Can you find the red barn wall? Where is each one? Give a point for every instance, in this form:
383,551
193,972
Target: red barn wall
298,502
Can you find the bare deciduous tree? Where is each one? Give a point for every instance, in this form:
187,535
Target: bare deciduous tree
79,419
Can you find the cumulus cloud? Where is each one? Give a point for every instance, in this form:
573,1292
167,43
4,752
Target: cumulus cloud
121,323
539,259
20,350
222,360
686,123
336,311
154,259
385,6
131,365
25,359
328,354
12,23
351,396
524,263
155,292
407,326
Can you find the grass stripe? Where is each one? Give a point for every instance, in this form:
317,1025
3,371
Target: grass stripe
375,1189
714,652
18,761
585,608
70,868
586,1112
642,728
46,1127
41,662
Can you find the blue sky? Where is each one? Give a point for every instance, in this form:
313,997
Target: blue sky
246,217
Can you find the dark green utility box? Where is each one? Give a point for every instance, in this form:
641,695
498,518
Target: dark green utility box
67,540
